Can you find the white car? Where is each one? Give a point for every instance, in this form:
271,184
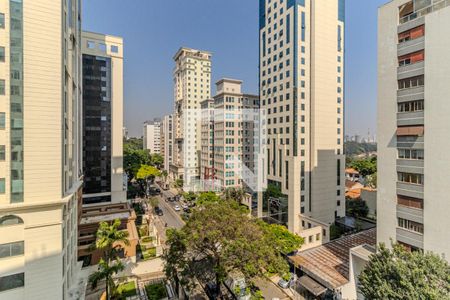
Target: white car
184,205
177,208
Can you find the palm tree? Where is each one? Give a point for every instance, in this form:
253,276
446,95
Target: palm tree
106,272
109,239
164,174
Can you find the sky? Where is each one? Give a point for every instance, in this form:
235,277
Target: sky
153,31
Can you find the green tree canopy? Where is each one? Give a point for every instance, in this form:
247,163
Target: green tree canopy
156,160
219,239
398,274
207,197
356,208
282,239
366,166
146,172
133,159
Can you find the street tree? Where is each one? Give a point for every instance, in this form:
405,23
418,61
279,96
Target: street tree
109,240
282,239
218,239
145,174
366,166
156,160
207,197
235,194
164,175
399,274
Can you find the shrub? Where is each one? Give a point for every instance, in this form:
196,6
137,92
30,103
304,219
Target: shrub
127,289
156,291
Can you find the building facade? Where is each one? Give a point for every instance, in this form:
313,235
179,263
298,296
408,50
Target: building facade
40,147
301,74
413,40
103,119
227,136
167,141
192,76
152,136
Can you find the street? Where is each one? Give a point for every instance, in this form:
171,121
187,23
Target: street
171,217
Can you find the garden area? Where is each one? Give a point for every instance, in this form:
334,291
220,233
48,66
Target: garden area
127,289
146,249
156,291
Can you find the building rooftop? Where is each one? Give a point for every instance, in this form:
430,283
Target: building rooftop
328,264
351,171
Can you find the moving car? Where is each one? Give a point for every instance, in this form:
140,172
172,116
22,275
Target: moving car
159,211
177,208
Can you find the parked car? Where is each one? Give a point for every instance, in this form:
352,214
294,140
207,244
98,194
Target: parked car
159,211
184,206
177,208
287,283
186,210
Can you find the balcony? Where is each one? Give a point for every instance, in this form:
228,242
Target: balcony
411,46
411,94
410,166
410,237
409,213
410,190
417,15
411,70
410,118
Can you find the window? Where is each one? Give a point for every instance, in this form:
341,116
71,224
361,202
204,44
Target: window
2,152
2,54
12,281
2,86
10,220
102,47
11,249
2,120
114,49
411,154
90,44
411,82
2,186
410,178
2,20
411,106
410,225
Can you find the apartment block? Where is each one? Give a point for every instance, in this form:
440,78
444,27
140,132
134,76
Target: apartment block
40,147
102,119
167,141
301,74
191,76
413,41
227,136
152,136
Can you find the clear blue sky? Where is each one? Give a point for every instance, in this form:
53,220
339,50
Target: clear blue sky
153,30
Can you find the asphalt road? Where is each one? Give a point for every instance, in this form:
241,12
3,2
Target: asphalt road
171,217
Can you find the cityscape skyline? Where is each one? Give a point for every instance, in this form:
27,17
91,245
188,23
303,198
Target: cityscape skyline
149,94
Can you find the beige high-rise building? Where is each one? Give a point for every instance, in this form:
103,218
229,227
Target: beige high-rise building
302,91
104,180
227,136
413,126
40,147
152,136
192,76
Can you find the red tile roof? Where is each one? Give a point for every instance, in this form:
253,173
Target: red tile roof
329,264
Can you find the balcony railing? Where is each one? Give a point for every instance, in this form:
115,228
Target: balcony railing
424,11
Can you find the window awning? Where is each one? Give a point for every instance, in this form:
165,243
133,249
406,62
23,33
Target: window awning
311,285
410,131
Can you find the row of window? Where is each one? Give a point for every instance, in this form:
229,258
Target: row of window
410,225
410,178
12,249
411,82
411,154
102,47
411,106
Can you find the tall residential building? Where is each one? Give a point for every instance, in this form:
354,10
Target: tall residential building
227,136
301,74
191,78
167,140
152,136
40,147
102,118
413,110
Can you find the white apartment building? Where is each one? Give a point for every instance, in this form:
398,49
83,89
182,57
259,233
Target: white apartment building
301,74
40,147
102,119
192,76
167,141
227,136
413,126
152,136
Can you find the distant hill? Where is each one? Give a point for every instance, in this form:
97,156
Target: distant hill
354,148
